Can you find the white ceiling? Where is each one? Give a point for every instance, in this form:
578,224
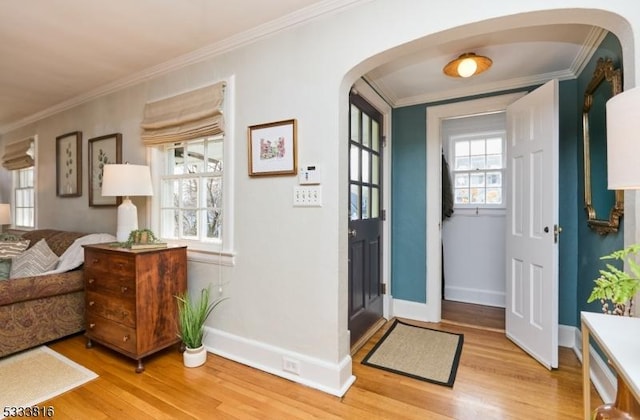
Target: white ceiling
57,53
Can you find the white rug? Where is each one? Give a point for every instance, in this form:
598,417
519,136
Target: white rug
37,375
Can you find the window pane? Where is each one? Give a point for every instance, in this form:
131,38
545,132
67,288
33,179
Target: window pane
477,180
494,161
195,157
214,223
462,148
375,135
189,193
169,228
214,192
175,161
189,224
170,193
375,203
494,146
354,203
355,124
477,162
462,163
366,132
477,196
355,163
214,156
365,166
461,195
375,170
365,203
477,147
494,195
461,180
494,179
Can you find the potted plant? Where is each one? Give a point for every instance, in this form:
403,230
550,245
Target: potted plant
192,314
616,286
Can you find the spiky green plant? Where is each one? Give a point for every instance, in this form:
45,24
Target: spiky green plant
617,286
192,314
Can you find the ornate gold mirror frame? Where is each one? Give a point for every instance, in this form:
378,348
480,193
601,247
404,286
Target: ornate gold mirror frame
604,77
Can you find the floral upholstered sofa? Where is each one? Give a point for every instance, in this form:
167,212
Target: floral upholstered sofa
41,287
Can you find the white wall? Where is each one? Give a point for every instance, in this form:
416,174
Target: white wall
288,289
474,256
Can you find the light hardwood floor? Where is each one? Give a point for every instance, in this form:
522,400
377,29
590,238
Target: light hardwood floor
495,380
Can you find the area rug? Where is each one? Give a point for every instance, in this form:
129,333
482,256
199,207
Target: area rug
37,375
417,352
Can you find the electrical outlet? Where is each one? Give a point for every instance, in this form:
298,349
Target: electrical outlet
291,365
307,196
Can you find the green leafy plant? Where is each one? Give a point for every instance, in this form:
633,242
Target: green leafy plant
192,314
617,286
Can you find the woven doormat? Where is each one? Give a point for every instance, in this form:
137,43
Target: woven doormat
420,353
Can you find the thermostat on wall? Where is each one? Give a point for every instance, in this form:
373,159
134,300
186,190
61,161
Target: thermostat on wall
309,175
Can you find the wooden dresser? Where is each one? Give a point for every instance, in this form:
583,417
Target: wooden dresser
130,298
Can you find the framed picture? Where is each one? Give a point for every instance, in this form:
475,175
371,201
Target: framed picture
69,164
103,150
273,149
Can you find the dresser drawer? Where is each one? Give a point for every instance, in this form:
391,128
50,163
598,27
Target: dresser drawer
111,332
123,286
108,263
115,309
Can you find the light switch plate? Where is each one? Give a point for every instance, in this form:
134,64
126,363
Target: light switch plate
307,196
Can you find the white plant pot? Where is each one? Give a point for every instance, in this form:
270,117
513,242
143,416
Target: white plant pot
194,357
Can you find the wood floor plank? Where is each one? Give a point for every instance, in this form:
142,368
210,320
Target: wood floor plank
495,380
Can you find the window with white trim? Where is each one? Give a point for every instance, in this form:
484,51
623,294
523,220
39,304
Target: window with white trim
24,198
191,191
478,169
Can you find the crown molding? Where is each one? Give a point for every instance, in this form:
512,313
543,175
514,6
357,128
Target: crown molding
245,38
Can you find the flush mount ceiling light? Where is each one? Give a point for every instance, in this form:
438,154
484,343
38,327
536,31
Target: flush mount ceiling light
467,65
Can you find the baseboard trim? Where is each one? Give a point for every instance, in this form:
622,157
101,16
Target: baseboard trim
475,296
332,378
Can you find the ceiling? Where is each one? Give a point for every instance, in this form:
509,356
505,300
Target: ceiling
58,53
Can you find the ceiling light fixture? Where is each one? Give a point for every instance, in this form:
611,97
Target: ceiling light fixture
467,65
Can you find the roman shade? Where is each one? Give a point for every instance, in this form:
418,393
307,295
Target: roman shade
18,155
187,116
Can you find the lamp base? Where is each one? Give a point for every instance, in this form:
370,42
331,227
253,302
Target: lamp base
127,219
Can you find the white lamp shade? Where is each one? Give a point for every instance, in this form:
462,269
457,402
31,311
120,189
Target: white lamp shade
126,180
623,140
5,214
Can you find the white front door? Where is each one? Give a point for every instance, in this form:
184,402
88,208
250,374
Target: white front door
532,216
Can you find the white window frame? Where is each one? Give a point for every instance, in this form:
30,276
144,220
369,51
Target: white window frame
452,156
17,188
220,252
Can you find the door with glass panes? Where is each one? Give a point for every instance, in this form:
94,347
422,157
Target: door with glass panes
365,216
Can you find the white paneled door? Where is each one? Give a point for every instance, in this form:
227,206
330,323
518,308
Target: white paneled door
532,218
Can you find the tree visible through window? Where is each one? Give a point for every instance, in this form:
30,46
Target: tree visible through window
478,170
191,190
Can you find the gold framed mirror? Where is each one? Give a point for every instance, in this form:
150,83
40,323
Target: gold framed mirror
598,200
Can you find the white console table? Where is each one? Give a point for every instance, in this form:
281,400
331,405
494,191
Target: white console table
619,338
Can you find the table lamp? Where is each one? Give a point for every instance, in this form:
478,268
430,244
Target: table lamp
126,180
623,140
5,215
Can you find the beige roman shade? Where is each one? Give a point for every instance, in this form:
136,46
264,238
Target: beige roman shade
18,155
187,116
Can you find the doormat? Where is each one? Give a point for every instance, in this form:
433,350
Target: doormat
418,352
33,376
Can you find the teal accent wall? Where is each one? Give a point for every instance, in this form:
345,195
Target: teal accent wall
408,203
579,248
591,245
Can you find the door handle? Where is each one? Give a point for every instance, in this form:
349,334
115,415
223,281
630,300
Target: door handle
352,233
556,231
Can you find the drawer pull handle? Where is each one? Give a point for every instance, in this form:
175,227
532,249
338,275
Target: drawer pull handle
124,289
95,261
92,325
125,338
92,303
91,281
